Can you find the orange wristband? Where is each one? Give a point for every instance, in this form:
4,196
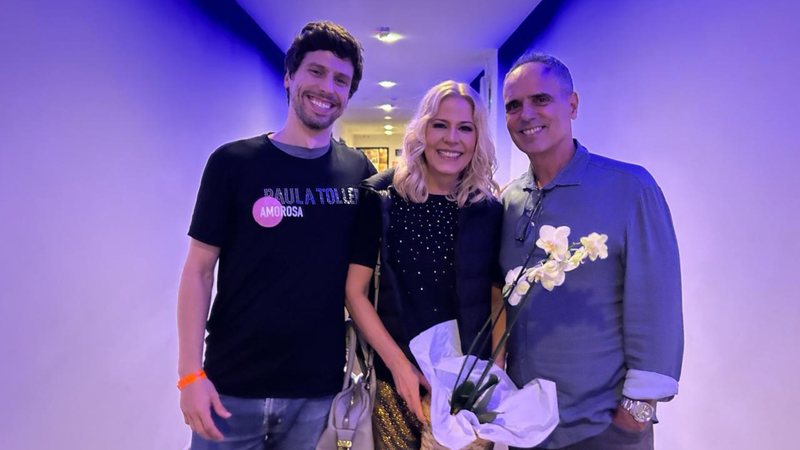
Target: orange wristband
191,378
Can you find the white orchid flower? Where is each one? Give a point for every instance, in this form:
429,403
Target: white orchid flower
595,245
512,275
552,275
534,274
519,292
575,259
554,241
552,271
515,293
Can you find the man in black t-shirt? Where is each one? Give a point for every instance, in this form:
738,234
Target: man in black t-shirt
275,211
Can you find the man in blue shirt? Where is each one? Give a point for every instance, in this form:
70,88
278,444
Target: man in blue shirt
612,336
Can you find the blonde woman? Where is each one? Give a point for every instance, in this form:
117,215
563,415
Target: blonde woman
437,224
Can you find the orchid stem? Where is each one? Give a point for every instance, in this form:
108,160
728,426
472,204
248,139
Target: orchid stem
483,336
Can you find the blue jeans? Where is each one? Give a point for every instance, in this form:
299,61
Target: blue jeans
268,424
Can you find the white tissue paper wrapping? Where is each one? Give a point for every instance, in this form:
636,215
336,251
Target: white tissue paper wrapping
527,416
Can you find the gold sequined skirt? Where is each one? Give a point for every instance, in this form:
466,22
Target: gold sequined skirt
395,427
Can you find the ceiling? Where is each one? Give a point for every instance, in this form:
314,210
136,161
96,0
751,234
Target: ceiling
443,39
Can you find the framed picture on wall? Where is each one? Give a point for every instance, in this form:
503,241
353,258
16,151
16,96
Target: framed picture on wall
378,155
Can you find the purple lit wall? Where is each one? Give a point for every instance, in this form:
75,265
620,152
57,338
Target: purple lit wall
704,94
108,111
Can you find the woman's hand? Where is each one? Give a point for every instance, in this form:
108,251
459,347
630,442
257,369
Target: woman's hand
407,380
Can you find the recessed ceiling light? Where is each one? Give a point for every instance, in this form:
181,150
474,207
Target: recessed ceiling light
387,84
387,36
388,127
386,107
387,117
388,132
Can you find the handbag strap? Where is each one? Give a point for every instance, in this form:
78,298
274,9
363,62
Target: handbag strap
353,340
369,352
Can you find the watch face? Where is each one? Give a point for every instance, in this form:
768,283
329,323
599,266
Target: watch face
642,411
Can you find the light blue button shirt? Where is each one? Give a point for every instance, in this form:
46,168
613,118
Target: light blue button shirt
615,326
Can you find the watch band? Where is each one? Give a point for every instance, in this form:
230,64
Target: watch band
641,411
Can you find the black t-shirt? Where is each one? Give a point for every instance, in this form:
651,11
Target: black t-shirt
283,225
421,251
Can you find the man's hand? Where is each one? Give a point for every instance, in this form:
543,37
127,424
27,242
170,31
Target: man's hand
623,419
197,399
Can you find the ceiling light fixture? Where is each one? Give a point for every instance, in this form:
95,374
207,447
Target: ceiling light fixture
388,127
387,36
387,84
386,107
388,132
387,117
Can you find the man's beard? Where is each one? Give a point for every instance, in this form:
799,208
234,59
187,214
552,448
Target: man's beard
309,119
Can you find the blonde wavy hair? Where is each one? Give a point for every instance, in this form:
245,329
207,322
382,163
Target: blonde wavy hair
475,182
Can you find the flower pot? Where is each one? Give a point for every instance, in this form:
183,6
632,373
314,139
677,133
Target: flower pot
428,441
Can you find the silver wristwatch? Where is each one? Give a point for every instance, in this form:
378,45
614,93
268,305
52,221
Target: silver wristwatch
641,411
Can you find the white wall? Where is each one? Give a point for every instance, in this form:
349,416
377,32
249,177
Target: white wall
108,113
704,94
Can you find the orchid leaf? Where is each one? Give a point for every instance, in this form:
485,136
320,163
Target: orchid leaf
482,402
487,417
461,396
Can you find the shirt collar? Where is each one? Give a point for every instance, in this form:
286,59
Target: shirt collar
570,175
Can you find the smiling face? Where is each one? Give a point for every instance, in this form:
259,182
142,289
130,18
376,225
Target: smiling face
539,111
450,140
319,89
